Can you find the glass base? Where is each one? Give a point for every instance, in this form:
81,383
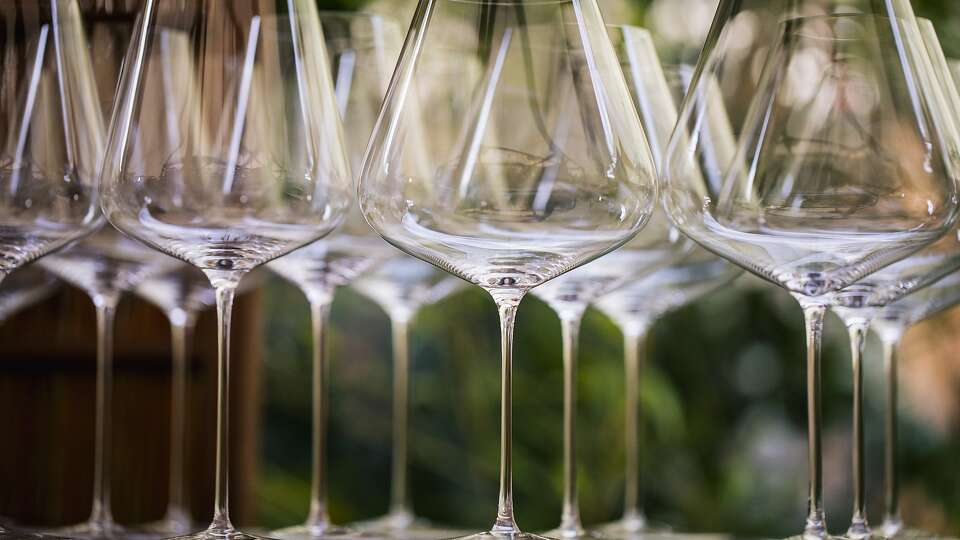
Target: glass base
405,526
905,533
503,536
317,532
630,527
220,534
573,534
172,525
98,530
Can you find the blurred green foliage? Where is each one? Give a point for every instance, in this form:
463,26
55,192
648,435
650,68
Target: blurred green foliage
723,398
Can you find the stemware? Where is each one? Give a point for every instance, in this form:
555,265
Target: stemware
659,244
226,151
859,303
541,164
890,325
401,287
634,308
181,294
24,288
362,48
839,171
104,266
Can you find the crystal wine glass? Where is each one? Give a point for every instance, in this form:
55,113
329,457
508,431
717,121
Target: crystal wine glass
890,325
835,176
226,151
542,164
658,245
104,266
642,298
401,287
362,49
181,293
859,303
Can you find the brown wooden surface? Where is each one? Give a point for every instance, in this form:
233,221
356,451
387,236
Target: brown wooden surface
47,360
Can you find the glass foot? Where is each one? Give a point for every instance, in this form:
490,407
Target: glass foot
405,526
562,533
503,536
172,525
220,534
98,530
905,533
317,532
631,527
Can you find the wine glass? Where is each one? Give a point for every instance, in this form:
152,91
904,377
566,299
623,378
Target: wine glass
859,303
362,49
104,266
839,171
181,293
402,286
23,288
540,164
226,151
890,325
658,245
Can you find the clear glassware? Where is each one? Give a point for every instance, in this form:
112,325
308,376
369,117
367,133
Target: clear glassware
841,169
226,151
181,293
104,265
658,245
858,304
402,286
890,325
540,166
23,288
362,49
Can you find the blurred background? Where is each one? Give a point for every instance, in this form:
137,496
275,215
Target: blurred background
723,396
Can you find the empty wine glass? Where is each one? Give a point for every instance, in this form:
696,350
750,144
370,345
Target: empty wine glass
890,325
841,168
181,294
23,288
104,266
859,303
362,49
659,244
226,151
541,164
401,287
634,308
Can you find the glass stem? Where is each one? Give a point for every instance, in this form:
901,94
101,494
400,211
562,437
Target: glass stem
182,325
226,290
102,516
814,313
507,304
634,338
859,528
892,523
399,490
318,518
570,518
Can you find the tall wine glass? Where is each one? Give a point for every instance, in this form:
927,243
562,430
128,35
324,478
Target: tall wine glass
401,287
890,325
635,308
362,49
858,304
104,266
24,288
658,245
226,151
547,168
181,293
835,175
